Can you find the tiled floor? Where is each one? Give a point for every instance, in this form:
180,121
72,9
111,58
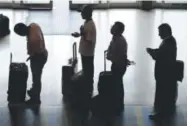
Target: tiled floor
139,83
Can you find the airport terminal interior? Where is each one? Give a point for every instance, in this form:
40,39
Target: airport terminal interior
58,19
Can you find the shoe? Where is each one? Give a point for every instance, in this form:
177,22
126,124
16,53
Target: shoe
155,116
29,92
33,102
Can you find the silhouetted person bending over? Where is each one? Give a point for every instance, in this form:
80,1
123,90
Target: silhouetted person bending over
37,55
166,83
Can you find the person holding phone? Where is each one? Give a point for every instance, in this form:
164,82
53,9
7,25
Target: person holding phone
166,82
87,45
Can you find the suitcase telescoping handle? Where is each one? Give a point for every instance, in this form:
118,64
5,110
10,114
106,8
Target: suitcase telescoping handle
10,57
74,51
105,60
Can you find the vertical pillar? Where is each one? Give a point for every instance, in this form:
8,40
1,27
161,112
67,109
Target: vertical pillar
147,5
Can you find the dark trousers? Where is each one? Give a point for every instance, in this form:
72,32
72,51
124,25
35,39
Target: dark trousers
88,70
165,96
118,71
37,63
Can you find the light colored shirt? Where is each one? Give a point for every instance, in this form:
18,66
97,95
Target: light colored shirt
35,43
117,50
88,39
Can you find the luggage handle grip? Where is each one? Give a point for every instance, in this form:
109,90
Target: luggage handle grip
74,51
105,59
10,57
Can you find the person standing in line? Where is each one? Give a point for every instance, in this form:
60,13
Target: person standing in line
37,55
166,82
87,45
117,54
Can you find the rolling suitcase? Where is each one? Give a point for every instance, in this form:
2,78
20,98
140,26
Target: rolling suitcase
67,73
105,84
80,97
17,85
103,103
4,25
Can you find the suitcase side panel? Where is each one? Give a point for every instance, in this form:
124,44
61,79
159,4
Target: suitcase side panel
67,73
17,84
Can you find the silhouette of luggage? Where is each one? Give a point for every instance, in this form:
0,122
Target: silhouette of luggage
4,25
105,84
179,70
80,95
67,73
105,106
17,85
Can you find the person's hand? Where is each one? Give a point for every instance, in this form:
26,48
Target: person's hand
75,34
28,58
81,30
149,50
130,63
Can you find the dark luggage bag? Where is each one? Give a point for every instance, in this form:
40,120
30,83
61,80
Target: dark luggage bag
105,84
4,25
17,85
80,96
179,70
67,73
105,104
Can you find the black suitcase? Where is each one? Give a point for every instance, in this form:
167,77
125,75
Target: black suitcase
179,70
17,85
80,98
104,106
4,25
67,73
105,84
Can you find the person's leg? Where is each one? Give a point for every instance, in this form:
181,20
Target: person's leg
170,97
160,100
37,65
122,72
118,73
88,68
90,72
83,62
157,101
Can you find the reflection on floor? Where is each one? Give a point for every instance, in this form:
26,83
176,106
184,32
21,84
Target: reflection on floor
139,83
64,116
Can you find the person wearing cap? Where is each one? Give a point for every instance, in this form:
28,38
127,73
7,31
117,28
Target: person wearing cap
38,54
87,45
166,83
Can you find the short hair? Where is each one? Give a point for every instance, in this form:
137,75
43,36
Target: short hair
21,29
120,26
166,27
88,9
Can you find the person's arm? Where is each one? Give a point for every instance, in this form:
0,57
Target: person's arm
153,52
109,52
77,34
167,51
117,51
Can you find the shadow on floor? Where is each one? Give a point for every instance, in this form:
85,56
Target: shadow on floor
34,116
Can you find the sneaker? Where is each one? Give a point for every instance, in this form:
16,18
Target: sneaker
33,102
29,93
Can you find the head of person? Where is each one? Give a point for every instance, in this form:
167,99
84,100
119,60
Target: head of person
86,12
118,28
164,30
21,29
